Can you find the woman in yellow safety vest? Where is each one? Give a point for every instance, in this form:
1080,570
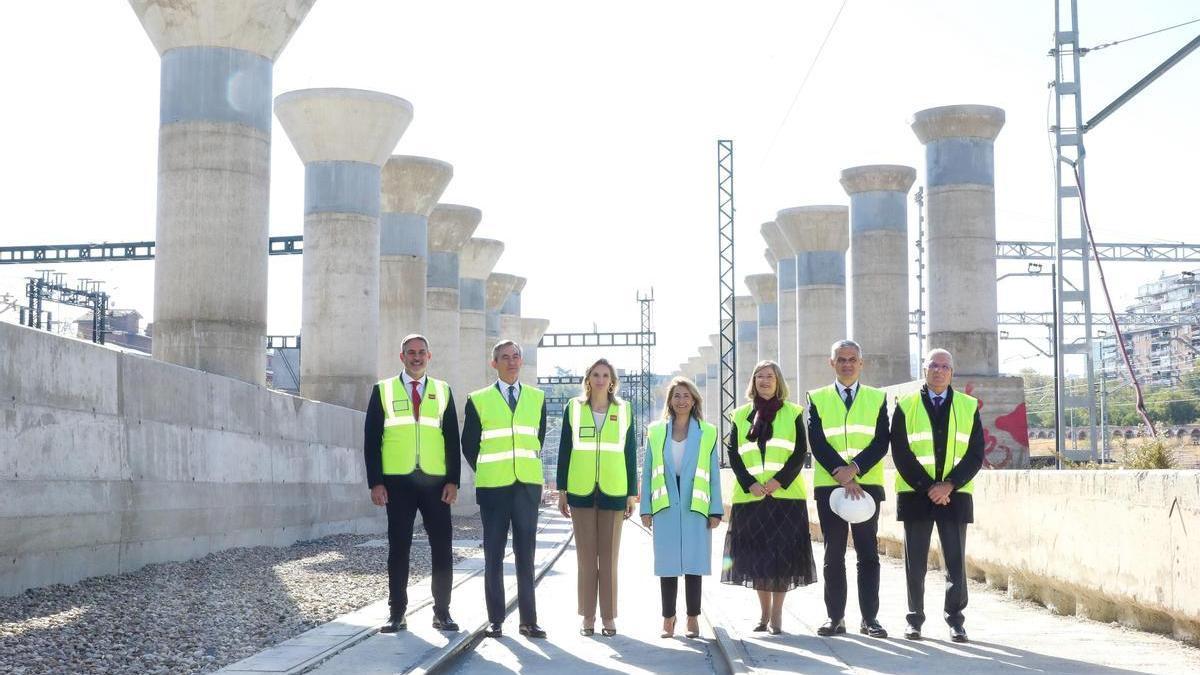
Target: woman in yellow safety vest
597,466
767,547
681,499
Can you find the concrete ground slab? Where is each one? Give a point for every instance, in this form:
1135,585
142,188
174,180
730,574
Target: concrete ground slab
1007,636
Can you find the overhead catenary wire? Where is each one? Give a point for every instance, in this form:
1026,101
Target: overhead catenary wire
1104,45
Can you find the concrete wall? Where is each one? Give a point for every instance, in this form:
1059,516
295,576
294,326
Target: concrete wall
1104,545
109,462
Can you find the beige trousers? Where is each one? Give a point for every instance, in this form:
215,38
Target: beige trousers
597,541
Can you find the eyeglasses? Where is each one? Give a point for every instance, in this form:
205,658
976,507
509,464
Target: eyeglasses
938,366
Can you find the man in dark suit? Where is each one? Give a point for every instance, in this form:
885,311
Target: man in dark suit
503,430
411,447
937,446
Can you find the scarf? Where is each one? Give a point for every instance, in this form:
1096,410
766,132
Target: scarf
764,416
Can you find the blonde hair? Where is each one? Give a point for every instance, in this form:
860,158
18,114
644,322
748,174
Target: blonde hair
697,399
612,388
781,388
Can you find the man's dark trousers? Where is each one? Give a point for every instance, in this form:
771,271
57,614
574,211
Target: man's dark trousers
516,505
836,532
953,537
406,496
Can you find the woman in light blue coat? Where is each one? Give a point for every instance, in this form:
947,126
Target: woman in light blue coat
681,499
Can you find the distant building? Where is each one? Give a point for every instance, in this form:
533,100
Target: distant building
1163,354
124,329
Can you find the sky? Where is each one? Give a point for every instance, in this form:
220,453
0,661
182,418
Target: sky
586,132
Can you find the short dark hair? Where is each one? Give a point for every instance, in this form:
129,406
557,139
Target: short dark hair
501,345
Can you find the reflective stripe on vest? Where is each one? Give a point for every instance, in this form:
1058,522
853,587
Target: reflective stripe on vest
660,498
408,442
509,450
598,455
920,435
848,432
779,449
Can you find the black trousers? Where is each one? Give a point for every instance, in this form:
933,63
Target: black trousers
836,533
691,594
953,537
406,496
517,506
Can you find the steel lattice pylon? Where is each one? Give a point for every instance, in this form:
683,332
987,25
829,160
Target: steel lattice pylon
645,386
727,325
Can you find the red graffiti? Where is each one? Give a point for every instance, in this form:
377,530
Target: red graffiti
995,454
1016,424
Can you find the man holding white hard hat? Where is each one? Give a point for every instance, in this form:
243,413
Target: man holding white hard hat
848,434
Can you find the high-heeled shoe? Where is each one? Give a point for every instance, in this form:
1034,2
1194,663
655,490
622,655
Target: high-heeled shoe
608,632
761,627
775,630
587,630
693,627
668,630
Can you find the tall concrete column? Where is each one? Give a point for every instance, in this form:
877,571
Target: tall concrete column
450,226
532,331
961,216
879,268
214,174
343,136
819,235
785,260
764,291
747,339
476,261
499,288
510,314
708,357
409,190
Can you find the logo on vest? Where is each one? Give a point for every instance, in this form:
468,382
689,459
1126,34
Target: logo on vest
612,418
399,406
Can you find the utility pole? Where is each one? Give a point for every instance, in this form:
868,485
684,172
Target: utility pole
727,325
919,198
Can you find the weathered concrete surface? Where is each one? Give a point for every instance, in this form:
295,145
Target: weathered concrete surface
409,188
785,273
450,226
510,315
532,331
343,136
764,290
746,348
819,236
708,366
214,151
476,261
879,268
960,181
1002,411
118,461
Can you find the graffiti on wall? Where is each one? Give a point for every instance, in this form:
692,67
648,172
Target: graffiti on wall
1006,439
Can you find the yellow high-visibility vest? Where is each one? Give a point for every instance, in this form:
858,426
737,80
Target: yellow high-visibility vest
598,455
920,435
407,441
656,438
849,432
778,449
509,450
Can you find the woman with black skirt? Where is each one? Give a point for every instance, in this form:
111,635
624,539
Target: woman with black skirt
768,546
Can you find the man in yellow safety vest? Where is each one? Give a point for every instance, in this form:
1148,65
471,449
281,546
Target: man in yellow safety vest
503,429
937,446
410,443
848,431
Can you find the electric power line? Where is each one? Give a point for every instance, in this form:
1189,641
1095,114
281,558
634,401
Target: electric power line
1104,45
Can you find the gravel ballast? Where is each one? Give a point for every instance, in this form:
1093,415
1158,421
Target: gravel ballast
199,615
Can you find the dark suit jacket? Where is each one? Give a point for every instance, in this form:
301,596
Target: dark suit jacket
916,505
471,434
373,441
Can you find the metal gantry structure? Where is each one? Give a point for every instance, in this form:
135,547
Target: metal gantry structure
919,314
87,295
727,322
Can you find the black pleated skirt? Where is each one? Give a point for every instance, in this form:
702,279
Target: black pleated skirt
768,546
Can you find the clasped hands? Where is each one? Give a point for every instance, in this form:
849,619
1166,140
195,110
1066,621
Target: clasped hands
939,493
765,489
845,476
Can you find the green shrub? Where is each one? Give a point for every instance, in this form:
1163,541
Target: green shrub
1156,454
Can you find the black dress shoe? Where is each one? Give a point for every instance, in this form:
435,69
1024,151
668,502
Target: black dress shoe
532,630
911,632
445,623
395,623
494,630
832,627
873,629
958,634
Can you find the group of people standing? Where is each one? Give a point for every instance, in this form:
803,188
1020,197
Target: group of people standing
412,452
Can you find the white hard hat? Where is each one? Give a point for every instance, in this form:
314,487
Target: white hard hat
852,510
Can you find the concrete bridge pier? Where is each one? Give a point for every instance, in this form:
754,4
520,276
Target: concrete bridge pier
785,261
708,362
410,187
476,261
879,268
499,289
450,226
532,331
819,235
746,314
764,291
343,136
510,314
214,174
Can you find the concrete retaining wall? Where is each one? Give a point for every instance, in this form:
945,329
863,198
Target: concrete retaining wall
1105,545
109,462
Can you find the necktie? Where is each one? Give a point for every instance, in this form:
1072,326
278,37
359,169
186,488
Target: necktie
416,401
849,397
937,403
512,397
